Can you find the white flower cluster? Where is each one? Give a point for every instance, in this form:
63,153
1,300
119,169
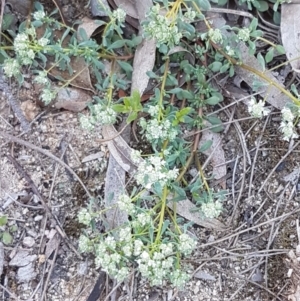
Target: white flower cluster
109,258
257,109
215,35
42,78
39,15
153,170
189,15
156,262
104,114
211,209
155,130
119,14
47,95
84,217
153,110
287,124
11,67
161,28
229,51
244,34
186,244
84,244
157,266
125,204
22,49
100,114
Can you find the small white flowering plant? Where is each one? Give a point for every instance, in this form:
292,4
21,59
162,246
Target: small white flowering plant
154,241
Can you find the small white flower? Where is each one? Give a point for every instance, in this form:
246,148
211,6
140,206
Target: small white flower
86,123
229,51
161,28
155,130
153,170
41,78
215,35
153,110
288,130
48,95
39,15
257,109
179,278
84,217
119,14
287,114
138,247
189,15
84,244
43,42
110,242
212,209
125,204
11,67
244,34
186,244
104,115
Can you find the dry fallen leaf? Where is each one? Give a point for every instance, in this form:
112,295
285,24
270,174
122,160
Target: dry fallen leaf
99,8
128,6
290,32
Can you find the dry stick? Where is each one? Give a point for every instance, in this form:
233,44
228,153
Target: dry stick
14,103
1,16
50,271
283,217
245,151
11,294
46,208
256,155
280,161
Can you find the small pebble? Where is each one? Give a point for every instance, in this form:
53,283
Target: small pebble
28,241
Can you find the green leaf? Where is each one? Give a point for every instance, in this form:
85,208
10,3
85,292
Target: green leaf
253,24
280,49
213,120
125,66
212,100
205,146
224,68
217,129
117,44
261,61
215,66
262,5
132,116
6,238
203,4
151,74
7,21
119,108
270,55
165,226
175,90
180,191
3,220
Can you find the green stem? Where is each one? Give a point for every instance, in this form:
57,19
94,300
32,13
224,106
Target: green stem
162,89
162,214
